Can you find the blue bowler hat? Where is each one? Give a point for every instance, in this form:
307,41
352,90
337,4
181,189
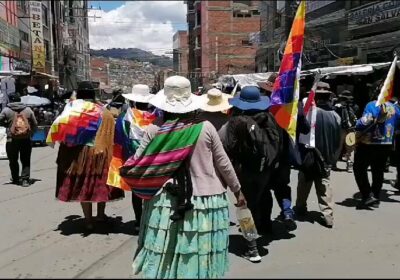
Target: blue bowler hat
250,99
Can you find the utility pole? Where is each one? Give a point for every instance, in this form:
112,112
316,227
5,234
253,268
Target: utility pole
216,54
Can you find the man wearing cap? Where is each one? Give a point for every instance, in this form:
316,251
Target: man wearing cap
319,158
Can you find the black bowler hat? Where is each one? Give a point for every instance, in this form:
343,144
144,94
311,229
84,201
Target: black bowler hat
85,90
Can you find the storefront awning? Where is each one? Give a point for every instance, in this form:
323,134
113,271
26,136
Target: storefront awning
46,75
14,73
361,69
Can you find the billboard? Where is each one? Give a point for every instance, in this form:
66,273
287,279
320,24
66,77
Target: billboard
379,12
38,49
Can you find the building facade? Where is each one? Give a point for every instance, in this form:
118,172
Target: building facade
221,38
77,42
9,35
180,52
337,32
47,39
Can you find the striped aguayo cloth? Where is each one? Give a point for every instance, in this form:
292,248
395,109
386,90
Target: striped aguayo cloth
172,144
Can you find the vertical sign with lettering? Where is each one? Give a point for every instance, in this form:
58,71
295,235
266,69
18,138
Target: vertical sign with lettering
38,51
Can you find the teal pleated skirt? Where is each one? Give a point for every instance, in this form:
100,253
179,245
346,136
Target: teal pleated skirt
195,247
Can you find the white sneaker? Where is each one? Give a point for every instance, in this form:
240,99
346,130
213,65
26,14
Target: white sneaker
252,256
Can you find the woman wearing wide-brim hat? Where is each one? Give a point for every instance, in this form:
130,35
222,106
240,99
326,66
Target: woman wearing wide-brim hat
182,238
129,130
215,107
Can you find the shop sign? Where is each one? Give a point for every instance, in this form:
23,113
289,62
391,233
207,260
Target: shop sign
4,63
38,49
345,61
22,65
376,13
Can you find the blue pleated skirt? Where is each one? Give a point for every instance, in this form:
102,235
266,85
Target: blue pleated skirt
195,247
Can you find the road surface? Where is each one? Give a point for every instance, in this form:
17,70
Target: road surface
44,238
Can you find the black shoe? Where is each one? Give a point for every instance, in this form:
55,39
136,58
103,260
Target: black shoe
25,183
289,222
301,212
136,227
376,204
370,201
362,205
367,203
15,181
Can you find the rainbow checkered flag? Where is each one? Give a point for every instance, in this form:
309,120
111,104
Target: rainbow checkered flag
388,87
285,94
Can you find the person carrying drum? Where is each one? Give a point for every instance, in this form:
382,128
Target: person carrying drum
347,111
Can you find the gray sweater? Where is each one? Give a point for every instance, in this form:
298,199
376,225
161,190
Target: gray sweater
8,113
210,168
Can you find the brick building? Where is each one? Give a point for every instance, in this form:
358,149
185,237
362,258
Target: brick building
337,32
220,38
180,52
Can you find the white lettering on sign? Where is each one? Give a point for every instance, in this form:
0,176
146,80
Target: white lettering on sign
38,50
375,13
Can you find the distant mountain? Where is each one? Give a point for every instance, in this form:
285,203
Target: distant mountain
134,54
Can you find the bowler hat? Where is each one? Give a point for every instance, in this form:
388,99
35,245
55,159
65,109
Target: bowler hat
85,90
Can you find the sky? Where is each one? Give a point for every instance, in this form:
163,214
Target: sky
148,25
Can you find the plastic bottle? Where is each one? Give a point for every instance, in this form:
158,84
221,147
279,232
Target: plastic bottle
246,223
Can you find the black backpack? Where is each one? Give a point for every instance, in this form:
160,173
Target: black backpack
258,141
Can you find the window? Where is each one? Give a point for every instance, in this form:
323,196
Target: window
280,5
24,36
246,43
244,2
256,12
198,18
22,5
45,15
241,14
47,48
278,20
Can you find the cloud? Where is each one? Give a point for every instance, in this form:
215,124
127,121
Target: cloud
148,25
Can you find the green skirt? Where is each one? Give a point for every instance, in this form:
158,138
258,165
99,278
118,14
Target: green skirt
195,247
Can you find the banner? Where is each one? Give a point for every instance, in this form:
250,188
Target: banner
38,50
310,112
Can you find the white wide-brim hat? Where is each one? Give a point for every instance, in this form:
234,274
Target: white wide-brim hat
216,101
176,96
140,93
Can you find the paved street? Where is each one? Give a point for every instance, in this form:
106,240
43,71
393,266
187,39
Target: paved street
42,237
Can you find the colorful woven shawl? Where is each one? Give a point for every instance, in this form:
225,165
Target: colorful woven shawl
129,129
77,124
172,144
